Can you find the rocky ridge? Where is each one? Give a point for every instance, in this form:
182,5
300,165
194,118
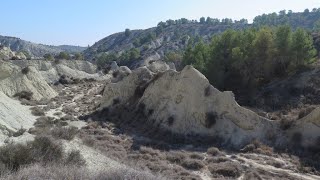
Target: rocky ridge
7,54
184,103
36,50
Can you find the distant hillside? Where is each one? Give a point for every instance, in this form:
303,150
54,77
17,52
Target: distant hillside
158,41
174,35
36,50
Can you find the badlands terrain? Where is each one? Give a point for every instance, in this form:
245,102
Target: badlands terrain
148,123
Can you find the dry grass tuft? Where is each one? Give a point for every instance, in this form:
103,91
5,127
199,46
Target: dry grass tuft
44,121
67,133
56,171
75,158
213,151
176,157
192,164
226,169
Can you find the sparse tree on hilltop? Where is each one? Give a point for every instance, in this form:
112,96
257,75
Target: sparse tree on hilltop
63,55
127,32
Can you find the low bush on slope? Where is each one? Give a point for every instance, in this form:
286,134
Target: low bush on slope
43,150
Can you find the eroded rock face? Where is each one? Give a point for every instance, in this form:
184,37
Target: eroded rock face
126,89
43,65
52,71
6,53
158,66
16,80
119,73
13,116
306,131
114,66
185,103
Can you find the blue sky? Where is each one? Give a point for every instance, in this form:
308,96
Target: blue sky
83,22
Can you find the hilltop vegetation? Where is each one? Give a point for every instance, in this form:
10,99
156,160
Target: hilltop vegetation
246,60
169,39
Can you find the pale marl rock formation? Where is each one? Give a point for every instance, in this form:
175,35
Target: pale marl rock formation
13,81
52,71
7,54
13,116
125,89
158,66
185,103
306,131
52,75
42,65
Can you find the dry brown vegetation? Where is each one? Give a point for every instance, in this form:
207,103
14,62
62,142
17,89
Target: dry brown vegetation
137,145
42,149
37,111
58,171
67,133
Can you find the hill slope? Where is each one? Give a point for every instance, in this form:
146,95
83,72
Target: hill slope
36,50
156,42
173,36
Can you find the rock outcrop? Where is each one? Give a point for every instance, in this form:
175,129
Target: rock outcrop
306,131
13,116
124,90
51,71
43,65
7,54
158,66
184,103
14,79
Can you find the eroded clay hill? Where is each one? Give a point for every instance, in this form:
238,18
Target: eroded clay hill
32,80
153,117
185,104
14,79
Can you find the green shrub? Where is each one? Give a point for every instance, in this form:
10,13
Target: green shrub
25,70
24,95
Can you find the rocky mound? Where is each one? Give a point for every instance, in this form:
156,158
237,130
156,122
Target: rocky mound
14,79
306,131
53,70
42,65
184,103
7,54
13,116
